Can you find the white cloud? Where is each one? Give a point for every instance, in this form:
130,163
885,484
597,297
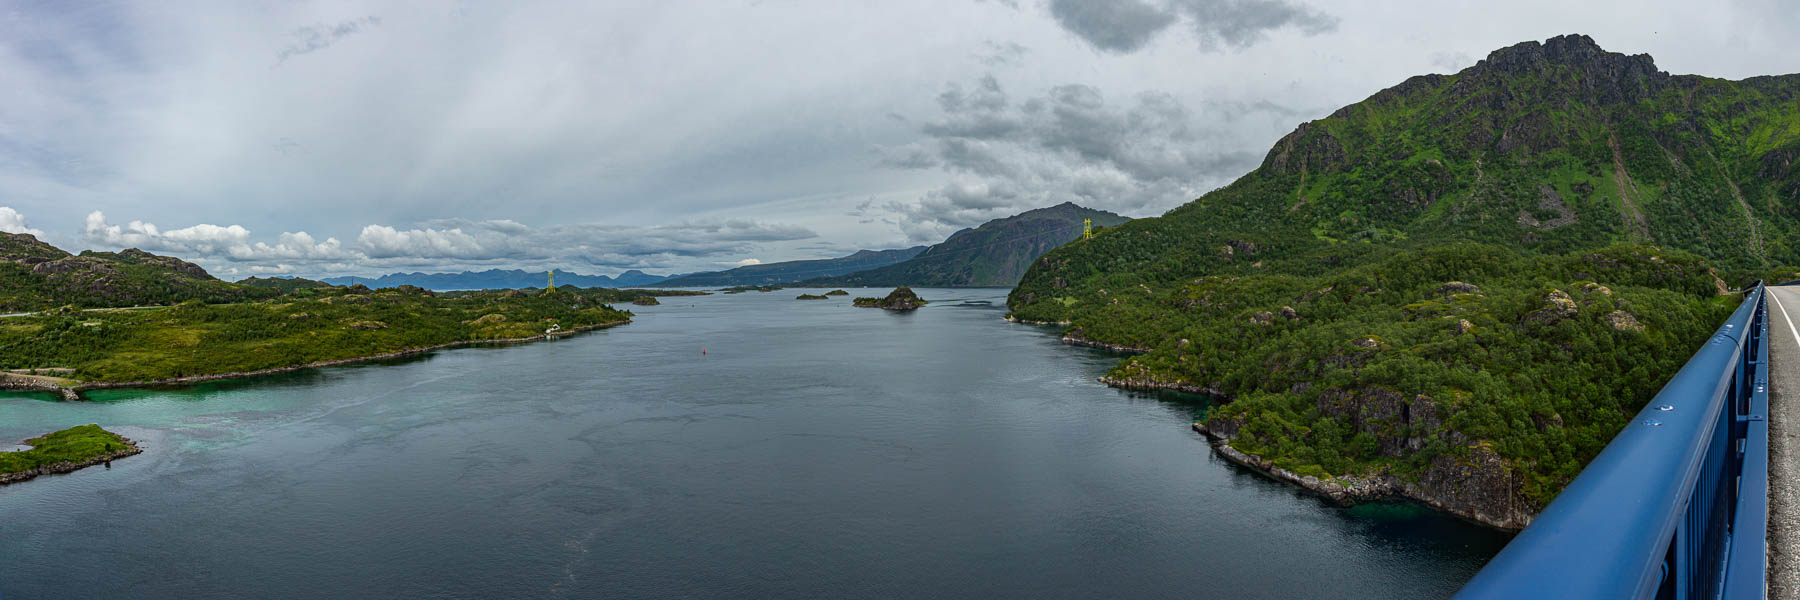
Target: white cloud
230,242
381,241
740,263
13,222
448,244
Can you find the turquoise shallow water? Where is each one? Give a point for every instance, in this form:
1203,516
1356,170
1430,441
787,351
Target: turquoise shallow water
815,450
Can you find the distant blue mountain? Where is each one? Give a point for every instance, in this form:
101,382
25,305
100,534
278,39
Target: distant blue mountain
497,279
795,270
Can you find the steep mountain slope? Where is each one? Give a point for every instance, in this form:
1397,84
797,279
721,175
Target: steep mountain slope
498,279
1449,290
994,254
35,275
796,270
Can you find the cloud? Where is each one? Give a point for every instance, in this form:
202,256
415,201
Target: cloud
13,222
1122,26
1242,23
381,241
319,37
740,263
228,242
1069,144
450,243
1451,62
1001,54
1126,26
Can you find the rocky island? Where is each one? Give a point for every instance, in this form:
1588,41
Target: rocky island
837,293
64,451
739,289
811,297
902,298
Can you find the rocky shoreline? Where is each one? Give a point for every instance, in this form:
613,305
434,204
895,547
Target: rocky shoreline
1013,319
1448,472
10,382
1081,341
1211,389
131,448
74,392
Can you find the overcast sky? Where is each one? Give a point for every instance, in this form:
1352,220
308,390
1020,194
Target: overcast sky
323,138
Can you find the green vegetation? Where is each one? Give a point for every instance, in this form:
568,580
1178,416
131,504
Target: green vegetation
837,293
283,284
1506,262
73,445
902,298
35,276
994,254
811,297
308,326
739,289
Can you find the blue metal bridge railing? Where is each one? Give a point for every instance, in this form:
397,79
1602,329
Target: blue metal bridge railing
1676,506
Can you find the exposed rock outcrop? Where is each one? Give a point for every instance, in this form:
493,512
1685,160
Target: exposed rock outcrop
1478,487
1557,306
1623,321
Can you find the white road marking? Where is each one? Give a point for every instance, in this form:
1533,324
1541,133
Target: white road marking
1784,314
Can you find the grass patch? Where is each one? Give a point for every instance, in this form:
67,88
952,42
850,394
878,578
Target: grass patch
75,444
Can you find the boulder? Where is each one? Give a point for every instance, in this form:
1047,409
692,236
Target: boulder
1557,306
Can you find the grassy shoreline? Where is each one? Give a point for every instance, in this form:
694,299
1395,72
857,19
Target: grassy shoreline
71,391
66,352
64,451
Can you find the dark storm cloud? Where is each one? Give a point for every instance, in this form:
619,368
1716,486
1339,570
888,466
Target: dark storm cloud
1123,26
1242,23
1126,26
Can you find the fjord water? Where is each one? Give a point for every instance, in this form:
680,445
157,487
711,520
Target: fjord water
814,450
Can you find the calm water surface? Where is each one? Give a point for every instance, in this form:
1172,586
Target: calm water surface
813,451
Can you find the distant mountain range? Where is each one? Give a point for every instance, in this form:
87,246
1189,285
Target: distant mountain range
795,270
496,279
995,254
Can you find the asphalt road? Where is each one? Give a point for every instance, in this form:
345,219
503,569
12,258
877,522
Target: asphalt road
1784,444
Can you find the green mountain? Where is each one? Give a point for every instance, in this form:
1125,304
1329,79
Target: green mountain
994,254
35,275
283,284
1458,289
794,270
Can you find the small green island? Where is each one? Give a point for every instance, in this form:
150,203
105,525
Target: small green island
811,297
902,298
837,293
739,289
64,451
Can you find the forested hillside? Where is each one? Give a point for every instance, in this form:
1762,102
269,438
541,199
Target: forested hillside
1465,282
